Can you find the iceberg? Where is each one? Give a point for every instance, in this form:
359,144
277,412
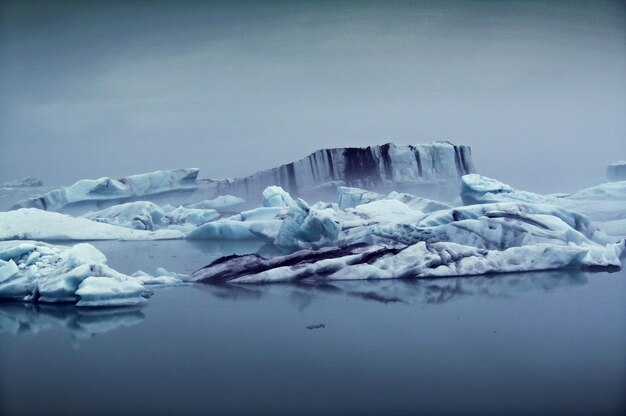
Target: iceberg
433,166
616,171
363,261
604,204
26,182
348,197
418,203
107,189
387,238
275,196
220,203
305,226
260,223
39,272
36,224
145,215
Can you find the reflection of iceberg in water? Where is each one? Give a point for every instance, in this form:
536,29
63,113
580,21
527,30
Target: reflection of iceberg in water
80,323
410,291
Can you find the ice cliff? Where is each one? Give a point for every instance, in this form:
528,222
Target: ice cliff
374,167
616,171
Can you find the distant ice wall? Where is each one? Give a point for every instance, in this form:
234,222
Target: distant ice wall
616,171
373,167
107,189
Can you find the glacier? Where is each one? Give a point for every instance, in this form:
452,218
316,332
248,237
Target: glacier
33,271
107,189
430,167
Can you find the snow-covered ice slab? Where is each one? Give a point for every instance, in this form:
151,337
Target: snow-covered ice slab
36,224
103,189
40,272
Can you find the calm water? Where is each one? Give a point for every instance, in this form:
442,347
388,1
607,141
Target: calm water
528,343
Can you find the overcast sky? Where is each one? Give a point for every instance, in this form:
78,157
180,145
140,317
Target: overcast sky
92,89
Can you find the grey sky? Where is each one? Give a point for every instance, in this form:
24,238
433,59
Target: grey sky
91,89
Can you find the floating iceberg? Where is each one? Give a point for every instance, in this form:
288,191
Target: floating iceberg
275,196
616,171
219,203
260,223
26,182
40,272
363,261
438,164
604,204
145,215
387,238
107,189
36,224
305,226
348,197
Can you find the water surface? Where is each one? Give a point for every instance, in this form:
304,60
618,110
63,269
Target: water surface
550,342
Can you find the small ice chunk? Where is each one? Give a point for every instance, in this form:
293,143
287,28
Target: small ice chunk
275,196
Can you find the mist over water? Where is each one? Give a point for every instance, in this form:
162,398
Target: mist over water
91,89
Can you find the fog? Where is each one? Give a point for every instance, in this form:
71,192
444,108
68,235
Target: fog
91,89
